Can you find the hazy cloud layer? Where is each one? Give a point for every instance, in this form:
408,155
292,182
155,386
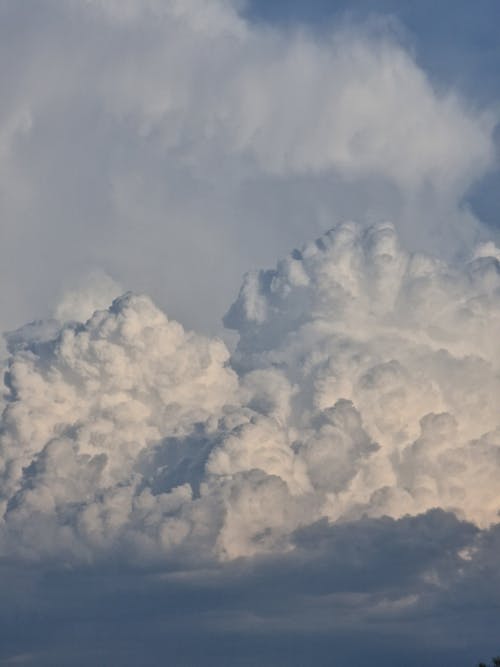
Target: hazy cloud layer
136,136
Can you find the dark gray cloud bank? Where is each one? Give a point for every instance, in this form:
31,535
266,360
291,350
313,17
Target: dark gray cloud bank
321,488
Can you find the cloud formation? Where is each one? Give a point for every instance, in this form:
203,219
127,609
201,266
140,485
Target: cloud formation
134,135
364,383
328,485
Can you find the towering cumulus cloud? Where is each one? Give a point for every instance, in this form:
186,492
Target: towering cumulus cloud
365,383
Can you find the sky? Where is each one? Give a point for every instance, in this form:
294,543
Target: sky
467,61
250,296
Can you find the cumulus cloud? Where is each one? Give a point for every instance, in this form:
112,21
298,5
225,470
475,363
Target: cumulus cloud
364,383
410,342
341,459
117,385
134,135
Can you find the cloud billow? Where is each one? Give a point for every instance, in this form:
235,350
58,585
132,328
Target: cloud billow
324,491
364,383
342,460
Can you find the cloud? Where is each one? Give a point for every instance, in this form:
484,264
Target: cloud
334,477
165,141
364,383
359,591
352,317
95,291
325,489
122,382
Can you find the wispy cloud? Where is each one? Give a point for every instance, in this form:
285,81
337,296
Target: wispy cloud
167,141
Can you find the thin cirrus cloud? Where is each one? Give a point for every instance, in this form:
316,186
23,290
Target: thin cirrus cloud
325,491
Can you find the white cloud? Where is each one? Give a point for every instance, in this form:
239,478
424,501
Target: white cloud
365,382
410,342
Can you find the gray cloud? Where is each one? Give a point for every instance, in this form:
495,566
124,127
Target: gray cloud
364,590
135,137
